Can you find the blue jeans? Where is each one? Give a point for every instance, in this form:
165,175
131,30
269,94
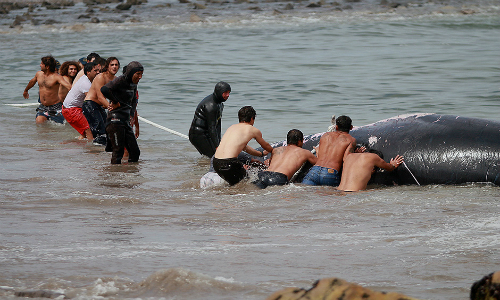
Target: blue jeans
322,176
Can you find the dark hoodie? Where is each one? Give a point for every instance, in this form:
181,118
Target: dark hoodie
208,114
122,90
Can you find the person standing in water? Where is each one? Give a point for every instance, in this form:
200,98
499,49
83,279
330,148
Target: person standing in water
48,84
235,140
122,95
205,130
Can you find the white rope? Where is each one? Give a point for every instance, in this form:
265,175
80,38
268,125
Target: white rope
164,128
411,173
22,104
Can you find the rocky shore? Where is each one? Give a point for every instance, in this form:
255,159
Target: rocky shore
19,13
488,288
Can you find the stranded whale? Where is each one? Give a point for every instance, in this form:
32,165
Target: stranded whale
438,149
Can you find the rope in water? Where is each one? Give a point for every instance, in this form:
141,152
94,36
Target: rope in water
163,128
411,173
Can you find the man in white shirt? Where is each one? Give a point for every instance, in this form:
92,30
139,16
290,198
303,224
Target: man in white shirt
72,105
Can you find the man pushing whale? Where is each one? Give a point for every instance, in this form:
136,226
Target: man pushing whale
235,140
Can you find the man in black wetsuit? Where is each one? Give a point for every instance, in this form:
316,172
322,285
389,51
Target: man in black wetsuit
122,95
205,131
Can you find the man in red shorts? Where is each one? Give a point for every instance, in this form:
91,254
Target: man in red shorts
72,105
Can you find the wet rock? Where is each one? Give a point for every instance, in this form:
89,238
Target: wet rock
97,2
57,4
17,21
255,8
334,288
289,6
50,22
184,1
488,288
199,6
78,27
468,11
124,6
314,5
95,20
194,18
277,12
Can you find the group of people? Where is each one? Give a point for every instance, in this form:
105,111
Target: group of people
338,161
89,95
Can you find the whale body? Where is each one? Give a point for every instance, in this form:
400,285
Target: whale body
437,149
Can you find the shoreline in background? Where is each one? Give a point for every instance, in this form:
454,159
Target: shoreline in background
83,14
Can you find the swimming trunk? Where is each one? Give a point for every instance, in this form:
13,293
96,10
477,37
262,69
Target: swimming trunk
267,178
322,176
96,118
52,112
75,118
230,169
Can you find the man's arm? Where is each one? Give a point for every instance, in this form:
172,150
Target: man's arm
253,152
63,82
29,86
262,142
311,157
99,82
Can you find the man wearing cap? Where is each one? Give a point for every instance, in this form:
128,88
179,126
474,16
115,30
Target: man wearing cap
48,84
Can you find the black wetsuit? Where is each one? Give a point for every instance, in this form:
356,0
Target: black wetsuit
267,178
120,134
205,130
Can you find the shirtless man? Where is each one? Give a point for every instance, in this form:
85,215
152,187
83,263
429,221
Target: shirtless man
359,167
332,148
48,83
95,105
68,71
285,161
235,140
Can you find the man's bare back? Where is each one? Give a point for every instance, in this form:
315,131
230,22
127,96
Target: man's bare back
288,159
359,167
332,148
236,138
95,94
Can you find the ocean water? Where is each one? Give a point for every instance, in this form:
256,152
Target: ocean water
73,224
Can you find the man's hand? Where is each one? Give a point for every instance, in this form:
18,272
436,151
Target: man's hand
113,106
397,161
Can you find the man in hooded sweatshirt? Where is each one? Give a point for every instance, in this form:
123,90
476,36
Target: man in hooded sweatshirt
205,131
122,95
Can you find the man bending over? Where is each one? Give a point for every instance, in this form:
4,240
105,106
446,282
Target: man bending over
285,161
359,168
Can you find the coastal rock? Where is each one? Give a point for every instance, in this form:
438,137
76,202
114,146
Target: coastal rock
199,6
333,289
194,18
488,288
314,5
289,6
124,6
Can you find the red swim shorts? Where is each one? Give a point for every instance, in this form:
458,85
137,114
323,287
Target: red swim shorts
75,117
